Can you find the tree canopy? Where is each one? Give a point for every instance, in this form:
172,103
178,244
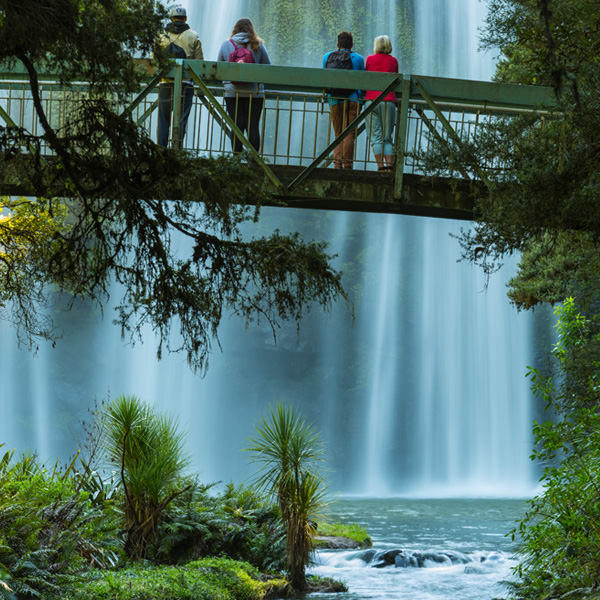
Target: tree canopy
110,206
543,203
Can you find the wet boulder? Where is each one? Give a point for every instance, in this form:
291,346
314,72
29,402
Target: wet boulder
404,561
368,556
386,559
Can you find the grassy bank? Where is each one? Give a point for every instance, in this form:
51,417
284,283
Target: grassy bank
206,579
351,531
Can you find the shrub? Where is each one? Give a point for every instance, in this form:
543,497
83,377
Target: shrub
238,523
49,526
560,534
208,579
147,450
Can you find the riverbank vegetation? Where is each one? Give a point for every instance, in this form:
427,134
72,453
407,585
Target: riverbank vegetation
289,453
351,533
560,535
125,521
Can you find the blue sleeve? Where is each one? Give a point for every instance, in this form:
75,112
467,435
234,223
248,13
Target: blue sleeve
358,62
325,59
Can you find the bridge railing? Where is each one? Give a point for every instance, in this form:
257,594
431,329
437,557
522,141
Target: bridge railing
296,125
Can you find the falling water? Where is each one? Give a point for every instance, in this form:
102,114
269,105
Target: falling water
423,394
446,35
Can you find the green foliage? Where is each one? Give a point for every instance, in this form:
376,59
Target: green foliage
147,450
576,363
28,232
348,530
542,169
58,524
165,225
547,42
560,534
237,523
208,579
288,451
49,528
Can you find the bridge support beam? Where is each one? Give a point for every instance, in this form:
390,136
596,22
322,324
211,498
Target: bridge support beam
400,148
371,191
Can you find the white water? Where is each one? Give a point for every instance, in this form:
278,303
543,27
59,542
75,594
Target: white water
468,553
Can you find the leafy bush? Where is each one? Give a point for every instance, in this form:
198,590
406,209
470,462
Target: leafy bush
147,450
208,579
560,534
49,526
238,523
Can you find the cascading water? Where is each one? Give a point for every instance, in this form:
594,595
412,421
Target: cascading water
447,39
423,395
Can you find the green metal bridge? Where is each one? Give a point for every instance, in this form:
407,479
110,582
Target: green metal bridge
296,134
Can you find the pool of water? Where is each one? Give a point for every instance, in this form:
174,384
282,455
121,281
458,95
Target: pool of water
440,549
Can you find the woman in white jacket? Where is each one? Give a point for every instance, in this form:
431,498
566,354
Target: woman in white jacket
244,101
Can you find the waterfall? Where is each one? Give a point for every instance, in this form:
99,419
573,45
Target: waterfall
423,394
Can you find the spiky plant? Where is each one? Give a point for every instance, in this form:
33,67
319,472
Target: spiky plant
148,450
289,453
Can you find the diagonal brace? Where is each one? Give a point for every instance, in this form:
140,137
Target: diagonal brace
149,88
11,123
446,124
363,115
440,139
236,130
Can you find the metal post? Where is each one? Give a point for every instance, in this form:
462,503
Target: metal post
177,99
400,150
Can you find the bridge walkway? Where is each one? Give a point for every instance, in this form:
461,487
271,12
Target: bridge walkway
296,135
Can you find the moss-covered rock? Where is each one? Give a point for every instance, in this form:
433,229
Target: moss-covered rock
207,579
341,535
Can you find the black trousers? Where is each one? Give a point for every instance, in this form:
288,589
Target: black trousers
245,111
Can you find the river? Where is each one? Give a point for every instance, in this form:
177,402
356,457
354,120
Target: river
462,544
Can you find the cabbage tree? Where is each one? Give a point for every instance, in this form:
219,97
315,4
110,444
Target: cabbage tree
290,453
148,451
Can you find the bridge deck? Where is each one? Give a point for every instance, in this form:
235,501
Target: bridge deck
296,133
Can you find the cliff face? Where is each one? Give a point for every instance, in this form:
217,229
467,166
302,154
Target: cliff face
300,32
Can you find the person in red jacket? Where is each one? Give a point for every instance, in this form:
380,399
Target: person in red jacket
383,118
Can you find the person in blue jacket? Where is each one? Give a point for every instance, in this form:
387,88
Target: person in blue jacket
344,109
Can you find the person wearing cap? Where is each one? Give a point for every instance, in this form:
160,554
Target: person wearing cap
177,32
